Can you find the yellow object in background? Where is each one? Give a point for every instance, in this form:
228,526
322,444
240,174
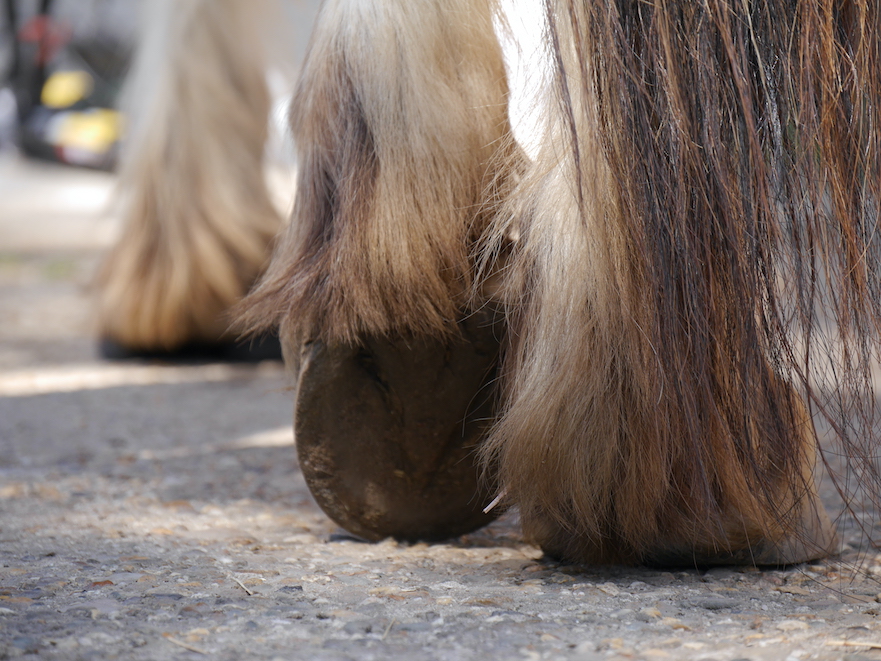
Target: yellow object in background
94,130
64,88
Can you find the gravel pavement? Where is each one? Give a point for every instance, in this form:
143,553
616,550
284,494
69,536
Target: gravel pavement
153,511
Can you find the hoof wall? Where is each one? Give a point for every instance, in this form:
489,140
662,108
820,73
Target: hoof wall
387,432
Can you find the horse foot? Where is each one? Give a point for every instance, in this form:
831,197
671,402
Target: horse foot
387,431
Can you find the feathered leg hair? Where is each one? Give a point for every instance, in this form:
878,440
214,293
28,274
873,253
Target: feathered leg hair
690,262
197,216
697,280
399,118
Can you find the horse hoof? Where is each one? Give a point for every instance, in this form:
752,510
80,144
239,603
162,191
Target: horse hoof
387,431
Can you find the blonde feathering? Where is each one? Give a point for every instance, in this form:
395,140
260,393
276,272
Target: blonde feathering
690,262
399,117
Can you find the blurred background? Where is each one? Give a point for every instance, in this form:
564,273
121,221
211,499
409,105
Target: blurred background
63,65
63,71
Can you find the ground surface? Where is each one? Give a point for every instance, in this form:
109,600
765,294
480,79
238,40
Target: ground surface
157,512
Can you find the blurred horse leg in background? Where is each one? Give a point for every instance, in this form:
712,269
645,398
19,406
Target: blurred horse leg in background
197,215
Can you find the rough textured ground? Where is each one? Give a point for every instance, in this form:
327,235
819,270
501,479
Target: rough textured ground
157,512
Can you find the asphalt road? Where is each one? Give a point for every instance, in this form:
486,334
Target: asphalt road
152,511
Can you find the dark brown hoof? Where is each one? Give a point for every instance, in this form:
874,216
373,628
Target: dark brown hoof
387,432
